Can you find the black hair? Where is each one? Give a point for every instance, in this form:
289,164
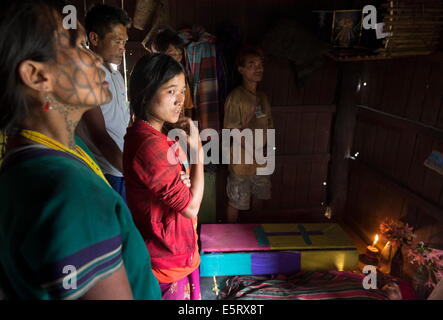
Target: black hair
248,51
148,75
166,37
101,18
27,32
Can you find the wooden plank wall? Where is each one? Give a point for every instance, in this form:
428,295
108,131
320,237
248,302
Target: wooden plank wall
399,123
303,116
252,17
389,178
303,121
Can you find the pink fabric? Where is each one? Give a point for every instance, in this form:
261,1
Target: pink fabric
230,237
187,288
407,291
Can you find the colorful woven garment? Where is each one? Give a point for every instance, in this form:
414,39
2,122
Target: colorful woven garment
330,285
201,65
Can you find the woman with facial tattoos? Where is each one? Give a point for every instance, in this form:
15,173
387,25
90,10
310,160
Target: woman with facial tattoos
64,232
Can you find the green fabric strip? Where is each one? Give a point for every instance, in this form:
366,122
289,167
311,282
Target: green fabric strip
261,236
304,234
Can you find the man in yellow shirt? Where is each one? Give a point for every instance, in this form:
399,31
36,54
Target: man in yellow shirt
247,108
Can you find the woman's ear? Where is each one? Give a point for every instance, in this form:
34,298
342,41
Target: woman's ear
34,75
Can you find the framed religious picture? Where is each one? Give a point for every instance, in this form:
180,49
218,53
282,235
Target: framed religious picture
346,28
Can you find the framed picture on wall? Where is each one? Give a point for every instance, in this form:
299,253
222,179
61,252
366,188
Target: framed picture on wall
346,28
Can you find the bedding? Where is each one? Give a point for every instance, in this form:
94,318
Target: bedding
327,285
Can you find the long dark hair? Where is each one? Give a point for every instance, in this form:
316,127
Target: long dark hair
148,75
27,32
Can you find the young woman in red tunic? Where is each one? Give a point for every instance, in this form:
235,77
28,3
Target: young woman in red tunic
163,191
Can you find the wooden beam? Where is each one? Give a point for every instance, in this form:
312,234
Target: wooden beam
310,158
304,109
391,120
430,208
343,134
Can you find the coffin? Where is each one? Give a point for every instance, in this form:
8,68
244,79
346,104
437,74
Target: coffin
254,249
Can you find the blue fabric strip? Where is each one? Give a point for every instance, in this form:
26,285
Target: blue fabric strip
225,264
275,262
59,291
54,271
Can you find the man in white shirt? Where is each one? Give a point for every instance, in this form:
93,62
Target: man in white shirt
103,128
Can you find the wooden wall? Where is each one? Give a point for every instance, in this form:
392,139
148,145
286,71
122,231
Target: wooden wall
303,116
399,121
303,120
394,122
252,17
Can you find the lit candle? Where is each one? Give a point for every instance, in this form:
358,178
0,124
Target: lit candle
375,240
372,251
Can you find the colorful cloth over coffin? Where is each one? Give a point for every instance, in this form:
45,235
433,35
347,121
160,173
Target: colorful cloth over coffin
305,236
253,249
279,237
219,264
229,237
264,237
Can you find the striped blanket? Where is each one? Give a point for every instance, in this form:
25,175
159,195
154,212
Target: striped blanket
331,285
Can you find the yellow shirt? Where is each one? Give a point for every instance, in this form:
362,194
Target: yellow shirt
243,110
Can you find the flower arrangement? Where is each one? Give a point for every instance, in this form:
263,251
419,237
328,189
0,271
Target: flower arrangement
397,233
429,261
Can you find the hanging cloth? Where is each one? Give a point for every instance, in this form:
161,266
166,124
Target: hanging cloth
201,65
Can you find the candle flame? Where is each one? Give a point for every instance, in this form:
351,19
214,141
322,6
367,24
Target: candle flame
375,240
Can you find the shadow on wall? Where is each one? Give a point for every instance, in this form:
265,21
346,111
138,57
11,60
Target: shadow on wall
291,40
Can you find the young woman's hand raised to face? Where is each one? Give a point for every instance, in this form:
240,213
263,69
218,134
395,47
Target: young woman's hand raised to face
193,135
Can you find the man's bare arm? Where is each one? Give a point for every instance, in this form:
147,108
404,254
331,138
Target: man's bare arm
95,123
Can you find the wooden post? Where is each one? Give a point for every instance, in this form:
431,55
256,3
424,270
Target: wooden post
343,133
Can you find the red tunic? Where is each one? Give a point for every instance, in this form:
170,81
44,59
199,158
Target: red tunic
157,197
